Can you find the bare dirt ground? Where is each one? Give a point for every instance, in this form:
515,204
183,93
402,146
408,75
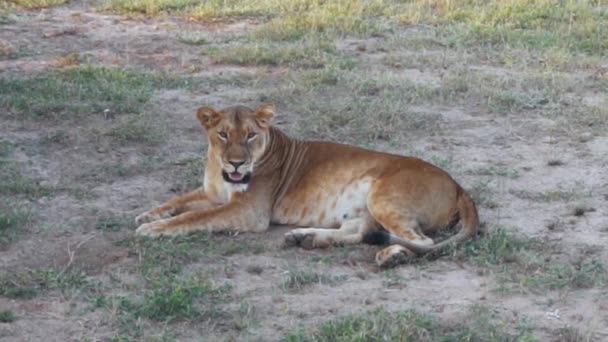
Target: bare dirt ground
533,175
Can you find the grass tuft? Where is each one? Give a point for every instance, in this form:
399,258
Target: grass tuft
12,222
297,278
7,316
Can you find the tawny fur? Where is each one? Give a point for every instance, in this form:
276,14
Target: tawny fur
339,192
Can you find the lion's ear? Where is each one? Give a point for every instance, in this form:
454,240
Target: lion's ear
264,115
207,116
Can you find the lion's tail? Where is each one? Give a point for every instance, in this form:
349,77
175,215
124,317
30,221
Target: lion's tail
470,225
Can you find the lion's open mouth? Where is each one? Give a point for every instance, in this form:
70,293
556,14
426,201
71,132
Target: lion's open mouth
236,177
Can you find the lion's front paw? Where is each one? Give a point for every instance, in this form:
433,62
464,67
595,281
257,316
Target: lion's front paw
153,215
300,237
150,229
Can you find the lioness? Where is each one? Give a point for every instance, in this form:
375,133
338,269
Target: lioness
256,175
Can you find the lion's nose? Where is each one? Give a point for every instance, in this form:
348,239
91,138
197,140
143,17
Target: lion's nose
236,164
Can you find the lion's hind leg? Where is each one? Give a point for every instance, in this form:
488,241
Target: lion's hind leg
398,215
351,232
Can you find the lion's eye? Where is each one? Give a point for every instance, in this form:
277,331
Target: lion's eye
223,135
251,135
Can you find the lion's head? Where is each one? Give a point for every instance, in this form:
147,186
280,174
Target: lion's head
237,137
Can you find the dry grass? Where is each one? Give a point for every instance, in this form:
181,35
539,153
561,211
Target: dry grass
34,4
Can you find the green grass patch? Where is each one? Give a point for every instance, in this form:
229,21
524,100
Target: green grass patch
165,299
412,325
78,92
7,316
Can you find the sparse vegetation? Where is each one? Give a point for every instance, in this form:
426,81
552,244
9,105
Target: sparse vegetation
33,4
29,284
310,53
77,92
524,264
167,299
561,194
381,325
297,278
12,222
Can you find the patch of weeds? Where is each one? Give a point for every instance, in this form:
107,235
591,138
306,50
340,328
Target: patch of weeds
571,334
352,106
497,247
29,284
34,4
583,273
174,299
69,60
115,223
165,299
12,222
245,316
530,264
561,194
7,316
255,269
411,325
6,149
581,210
297,278
445,163
141,128
551,24
169,255
111,170
482,192
13,181
555,162
496,171
57,137
192,39
392,279
76,92
149,7
314,52
190,174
